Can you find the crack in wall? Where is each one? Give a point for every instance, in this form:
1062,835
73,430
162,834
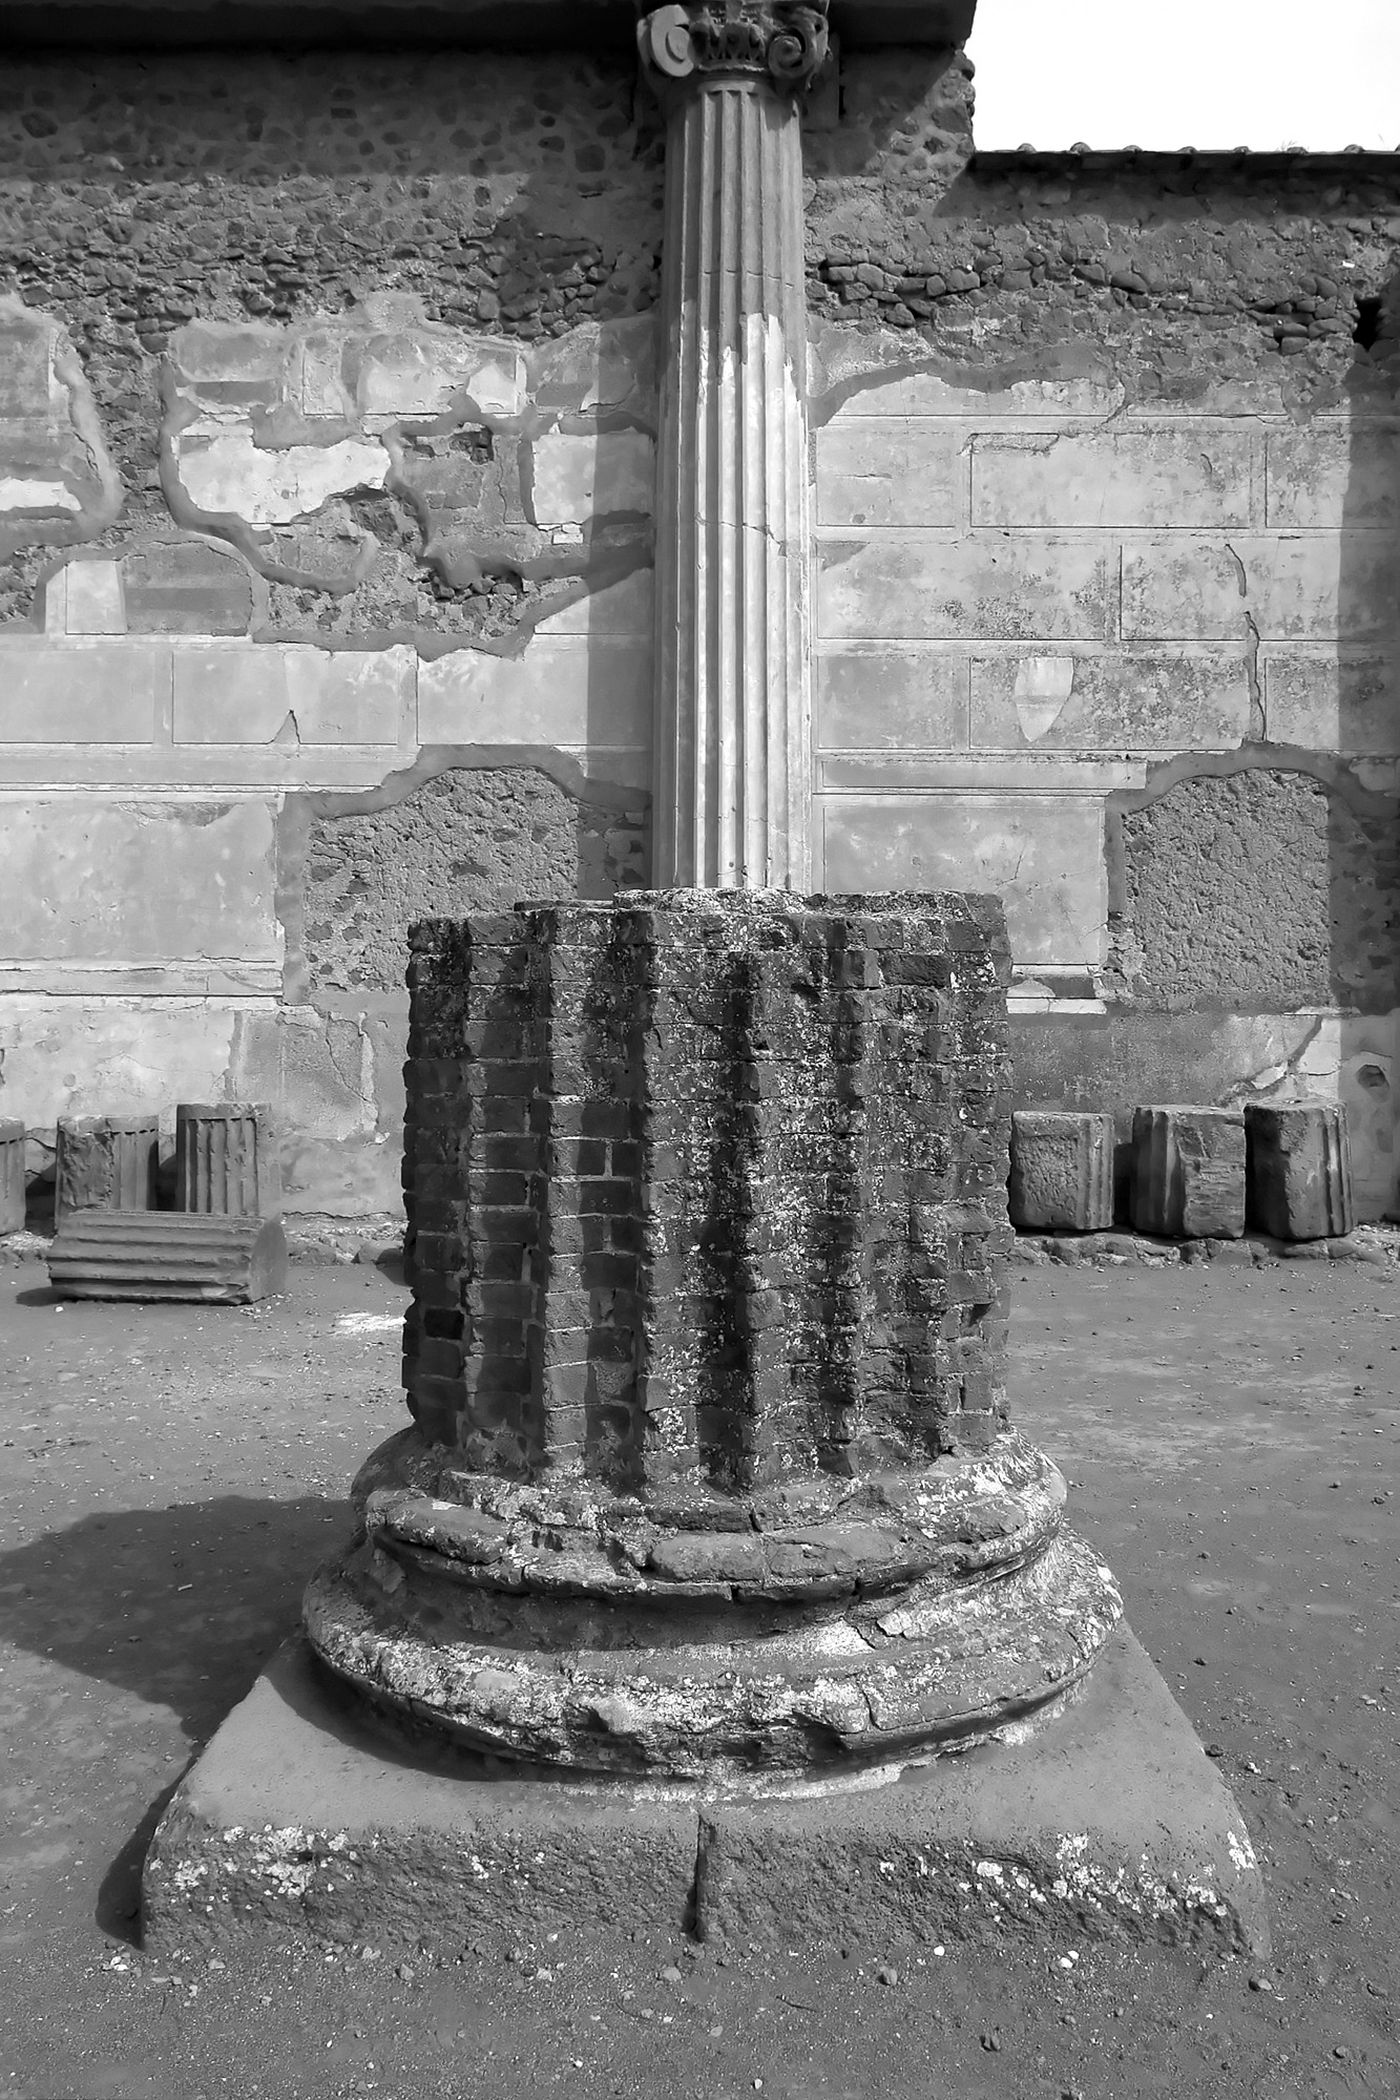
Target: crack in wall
1258,1086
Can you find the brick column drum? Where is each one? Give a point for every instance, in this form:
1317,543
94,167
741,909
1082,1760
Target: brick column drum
710,1464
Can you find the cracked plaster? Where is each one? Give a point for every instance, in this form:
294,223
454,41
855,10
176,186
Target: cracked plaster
533,473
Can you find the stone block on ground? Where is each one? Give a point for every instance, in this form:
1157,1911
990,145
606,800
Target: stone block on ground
1188,1172
12,1183
226,1160
302,1821
105,1163
1061,1171
168,1255
1299,1170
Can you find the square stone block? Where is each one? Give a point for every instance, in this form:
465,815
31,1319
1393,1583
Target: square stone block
1188,1172
1299,1162
1061,1171
105,1163
11,1175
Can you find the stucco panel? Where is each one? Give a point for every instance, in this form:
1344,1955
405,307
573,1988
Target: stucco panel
90,880
1181,474
1026,586
1042,853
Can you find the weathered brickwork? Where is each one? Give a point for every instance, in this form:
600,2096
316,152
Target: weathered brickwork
710,1466
708,1191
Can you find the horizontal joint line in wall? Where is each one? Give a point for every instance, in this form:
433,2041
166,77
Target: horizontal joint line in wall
984,790
122,790
1078,651
995,754
271,1001
956,535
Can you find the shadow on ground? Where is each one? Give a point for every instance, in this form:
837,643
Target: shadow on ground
179,1605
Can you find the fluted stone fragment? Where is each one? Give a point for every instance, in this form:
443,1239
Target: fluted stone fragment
1188,1172
1299,1169
152,1255
1061,1170
226,1160
12,1178
105,1163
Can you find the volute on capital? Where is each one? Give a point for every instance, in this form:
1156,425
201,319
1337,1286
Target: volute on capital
785,43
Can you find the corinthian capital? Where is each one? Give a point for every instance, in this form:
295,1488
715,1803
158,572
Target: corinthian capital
781,41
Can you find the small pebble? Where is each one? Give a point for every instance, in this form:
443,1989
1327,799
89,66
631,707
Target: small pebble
1260,1983
670,1974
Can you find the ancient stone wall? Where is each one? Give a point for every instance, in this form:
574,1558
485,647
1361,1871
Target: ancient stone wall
1108,497
327,413
325,481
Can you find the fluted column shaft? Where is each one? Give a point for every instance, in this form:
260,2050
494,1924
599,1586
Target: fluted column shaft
733,700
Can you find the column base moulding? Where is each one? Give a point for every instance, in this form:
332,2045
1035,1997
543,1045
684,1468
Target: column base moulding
913,1612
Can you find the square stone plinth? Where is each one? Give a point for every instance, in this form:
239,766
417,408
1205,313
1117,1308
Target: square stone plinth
298,1822
1189,1172
12,1179
1299,1170
1061,1170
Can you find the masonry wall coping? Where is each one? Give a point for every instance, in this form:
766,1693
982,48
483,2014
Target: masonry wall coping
529,25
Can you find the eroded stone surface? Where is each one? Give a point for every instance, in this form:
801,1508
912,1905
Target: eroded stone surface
226,1160
105,1163
12,1179
1061,1171
168,1256
300,1821
1299,1170
1189,1172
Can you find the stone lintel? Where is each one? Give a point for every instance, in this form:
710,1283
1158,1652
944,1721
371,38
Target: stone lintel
509,25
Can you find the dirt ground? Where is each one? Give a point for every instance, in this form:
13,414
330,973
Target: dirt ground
169,1476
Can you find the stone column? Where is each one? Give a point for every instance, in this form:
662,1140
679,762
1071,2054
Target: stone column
733,698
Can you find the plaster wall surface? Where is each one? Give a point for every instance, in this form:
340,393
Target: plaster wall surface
326,455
